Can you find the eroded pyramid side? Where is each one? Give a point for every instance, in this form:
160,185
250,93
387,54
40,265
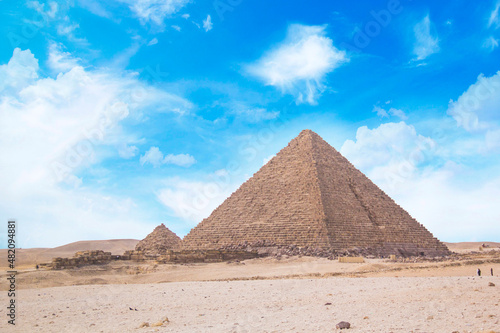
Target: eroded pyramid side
360,215
280,204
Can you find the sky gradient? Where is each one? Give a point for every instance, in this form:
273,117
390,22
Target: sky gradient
116,116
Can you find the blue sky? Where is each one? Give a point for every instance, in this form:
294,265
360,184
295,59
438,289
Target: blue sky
116,116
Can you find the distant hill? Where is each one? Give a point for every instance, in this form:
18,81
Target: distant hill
41,255
471,246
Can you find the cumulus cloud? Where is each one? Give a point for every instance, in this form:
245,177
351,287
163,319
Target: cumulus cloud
299,64
155,157
400,162
154,11
207,23
20,72
451,210
193,201
426,42
477,108
54,128
391,151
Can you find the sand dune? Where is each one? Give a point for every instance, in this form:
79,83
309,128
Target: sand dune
30,257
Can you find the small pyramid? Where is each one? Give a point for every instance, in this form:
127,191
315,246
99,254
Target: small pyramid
309,195
159,241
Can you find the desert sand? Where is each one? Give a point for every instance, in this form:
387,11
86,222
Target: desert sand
387,304
30,257
263,295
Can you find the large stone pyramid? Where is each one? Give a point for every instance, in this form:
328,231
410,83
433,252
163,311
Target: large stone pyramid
159,241
309,195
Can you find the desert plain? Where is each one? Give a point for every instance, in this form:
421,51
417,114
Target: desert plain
287,294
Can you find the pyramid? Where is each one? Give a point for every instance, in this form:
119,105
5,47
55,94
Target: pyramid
159,241
309,195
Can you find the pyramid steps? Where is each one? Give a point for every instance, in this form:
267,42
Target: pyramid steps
310,195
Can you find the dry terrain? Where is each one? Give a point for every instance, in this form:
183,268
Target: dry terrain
263,295
31,257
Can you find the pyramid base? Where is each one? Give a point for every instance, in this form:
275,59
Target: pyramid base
404,250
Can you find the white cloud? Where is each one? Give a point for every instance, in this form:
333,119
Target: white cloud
154,11
394,145
490,43
299,64
399,161
95,7
19,72
185,160
493,20
53,128
426,43
153,41
60,61
193,201
251,114
207,23
380,112
451,210
67,28
127,152
398,113
40,8
185,16
392,111
155,157
176,27
477,108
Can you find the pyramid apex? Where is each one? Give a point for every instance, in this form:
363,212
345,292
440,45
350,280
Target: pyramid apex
306,131
306,134
308,137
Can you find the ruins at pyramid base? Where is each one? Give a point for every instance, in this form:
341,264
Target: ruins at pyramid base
159,241
309,199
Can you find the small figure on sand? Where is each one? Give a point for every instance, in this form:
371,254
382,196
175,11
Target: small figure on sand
492,272
37,266
478,272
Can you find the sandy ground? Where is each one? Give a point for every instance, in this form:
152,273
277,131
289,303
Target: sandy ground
30,257
126,272
386,304
262,295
